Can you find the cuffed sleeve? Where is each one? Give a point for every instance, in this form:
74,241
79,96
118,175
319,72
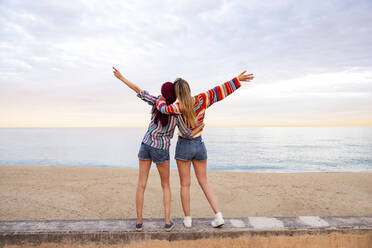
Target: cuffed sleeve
145,96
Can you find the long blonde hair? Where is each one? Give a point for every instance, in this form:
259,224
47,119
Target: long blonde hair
183,93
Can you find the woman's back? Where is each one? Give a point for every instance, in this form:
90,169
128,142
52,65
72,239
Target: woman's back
159,136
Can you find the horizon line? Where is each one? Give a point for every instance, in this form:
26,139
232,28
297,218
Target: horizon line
232,126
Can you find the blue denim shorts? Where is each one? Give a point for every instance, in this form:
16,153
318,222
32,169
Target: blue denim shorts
147,152
191,149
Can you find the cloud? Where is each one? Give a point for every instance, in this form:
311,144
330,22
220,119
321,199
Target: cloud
66,48
344,83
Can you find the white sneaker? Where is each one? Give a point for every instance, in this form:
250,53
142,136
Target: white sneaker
218,220
187,221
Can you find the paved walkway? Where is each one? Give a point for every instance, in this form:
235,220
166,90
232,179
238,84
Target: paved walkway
123,231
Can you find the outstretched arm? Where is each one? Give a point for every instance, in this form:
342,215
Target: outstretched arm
143,94
126,81
211,96
220,92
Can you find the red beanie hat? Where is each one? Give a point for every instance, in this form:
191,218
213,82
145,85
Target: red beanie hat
167,90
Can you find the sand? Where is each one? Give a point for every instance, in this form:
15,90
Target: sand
48,192
333,240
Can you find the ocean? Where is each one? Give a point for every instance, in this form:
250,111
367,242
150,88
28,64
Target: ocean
251,149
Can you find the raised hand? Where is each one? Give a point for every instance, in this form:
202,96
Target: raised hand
117,73
126,81
245,77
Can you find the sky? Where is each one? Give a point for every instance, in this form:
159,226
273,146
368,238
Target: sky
312,60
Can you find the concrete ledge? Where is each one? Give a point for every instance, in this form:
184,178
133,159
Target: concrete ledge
123,231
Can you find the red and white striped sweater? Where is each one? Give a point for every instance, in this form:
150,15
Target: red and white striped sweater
202,101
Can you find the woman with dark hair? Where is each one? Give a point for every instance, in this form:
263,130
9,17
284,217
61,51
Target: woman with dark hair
155,147
192,150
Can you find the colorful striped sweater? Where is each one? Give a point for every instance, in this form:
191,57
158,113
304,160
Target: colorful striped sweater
156,135
202,101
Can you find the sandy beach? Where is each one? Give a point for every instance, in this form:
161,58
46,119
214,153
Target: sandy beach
48,192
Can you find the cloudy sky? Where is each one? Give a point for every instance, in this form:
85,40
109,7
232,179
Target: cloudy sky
312,60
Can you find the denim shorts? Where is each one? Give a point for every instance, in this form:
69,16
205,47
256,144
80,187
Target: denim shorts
191,149
147,152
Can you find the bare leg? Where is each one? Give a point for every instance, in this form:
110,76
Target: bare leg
200,168
184,173
144,168
163,169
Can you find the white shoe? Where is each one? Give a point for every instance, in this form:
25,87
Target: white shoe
218,220
187,221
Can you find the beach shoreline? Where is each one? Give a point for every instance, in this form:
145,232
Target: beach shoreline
57,192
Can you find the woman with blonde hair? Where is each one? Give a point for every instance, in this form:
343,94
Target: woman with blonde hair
192,150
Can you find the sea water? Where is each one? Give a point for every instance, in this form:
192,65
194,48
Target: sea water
254,149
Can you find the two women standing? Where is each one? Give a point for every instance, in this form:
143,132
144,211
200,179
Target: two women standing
188,114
